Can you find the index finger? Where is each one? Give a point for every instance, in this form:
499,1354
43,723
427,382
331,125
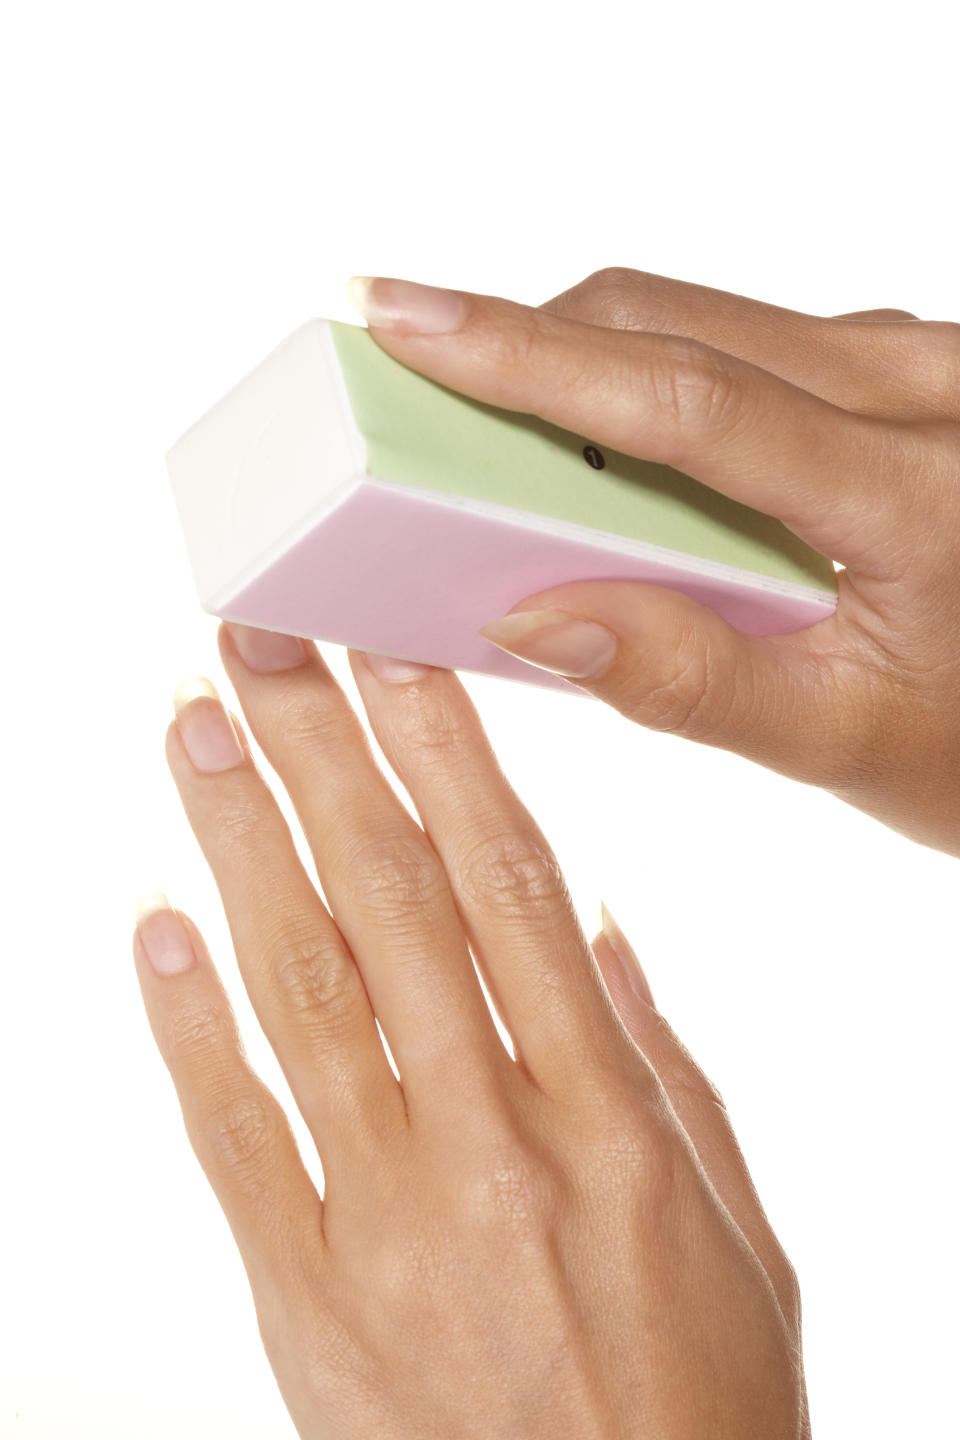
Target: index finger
835,478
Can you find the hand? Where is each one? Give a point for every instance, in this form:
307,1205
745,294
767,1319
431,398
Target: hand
565,1244
846,428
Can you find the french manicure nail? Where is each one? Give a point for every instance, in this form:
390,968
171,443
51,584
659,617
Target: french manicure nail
207,731
555,640
265,651
405,306
162,935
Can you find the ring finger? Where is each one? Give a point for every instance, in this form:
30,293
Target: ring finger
301,978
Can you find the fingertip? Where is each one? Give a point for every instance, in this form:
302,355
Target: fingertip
166,942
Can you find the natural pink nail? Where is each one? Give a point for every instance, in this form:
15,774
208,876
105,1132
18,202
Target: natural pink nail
207,731
162,935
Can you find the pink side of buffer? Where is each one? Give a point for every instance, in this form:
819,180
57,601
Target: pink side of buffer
393,572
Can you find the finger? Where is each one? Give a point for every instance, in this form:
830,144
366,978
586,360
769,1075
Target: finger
876,315
671,664
837,479
697,1103
384,884
238,1131
301,978
511,895
882,370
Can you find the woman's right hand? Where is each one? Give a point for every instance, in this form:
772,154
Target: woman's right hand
846,428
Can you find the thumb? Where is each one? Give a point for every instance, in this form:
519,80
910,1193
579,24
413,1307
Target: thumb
671,664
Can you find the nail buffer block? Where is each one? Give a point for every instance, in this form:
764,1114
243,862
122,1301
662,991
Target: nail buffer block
334,493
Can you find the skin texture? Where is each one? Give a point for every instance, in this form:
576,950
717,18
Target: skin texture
565,1243
846,428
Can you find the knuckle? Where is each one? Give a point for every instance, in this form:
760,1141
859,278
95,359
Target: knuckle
673,704
240,1134
616,295
677,701
512,873
312,976
633,1155
311,727
520,346
394,872
510,1188
196,1030
406,1262
696,387
430,726
240,829
609,276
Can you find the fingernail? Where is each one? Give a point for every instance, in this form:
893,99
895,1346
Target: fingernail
406,307
264,651
555,641
627,955
162,935
392,670
207,731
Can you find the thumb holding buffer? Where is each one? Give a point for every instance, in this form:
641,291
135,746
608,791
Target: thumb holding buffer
671,664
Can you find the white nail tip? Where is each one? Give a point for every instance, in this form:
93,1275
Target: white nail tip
611,929
199,687
358,294
147,905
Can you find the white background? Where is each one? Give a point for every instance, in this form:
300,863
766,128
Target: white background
184,184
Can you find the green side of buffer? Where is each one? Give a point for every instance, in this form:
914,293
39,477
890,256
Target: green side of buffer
420,433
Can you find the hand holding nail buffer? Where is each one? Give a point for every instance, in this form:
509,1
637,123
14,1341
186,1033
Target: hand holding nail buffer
334,493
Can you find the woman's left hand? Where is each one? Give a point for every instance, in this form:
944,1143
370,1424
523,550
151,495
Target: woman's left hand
567,1243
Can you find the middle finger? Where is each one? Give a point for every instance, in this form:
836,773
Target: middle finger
385,887
513,900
